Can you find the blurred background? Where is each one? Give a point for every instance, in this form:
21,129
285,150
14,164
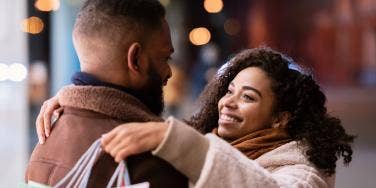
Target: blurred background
336,39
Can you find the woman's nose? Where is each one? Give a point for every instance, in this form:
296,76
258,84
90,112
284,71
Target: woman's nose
230,102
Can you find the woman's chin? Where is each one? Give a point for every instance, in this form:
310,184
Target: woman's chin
225,133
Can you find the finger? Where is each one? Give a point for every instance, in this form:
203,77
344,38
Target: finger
58,112
123,143
47,120
41,136
124,153
113,143
39,124
51,107
107,138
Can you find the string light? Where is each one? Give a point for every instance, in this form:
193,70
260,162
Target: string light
15,72
47,5
213,6
199,36
33,25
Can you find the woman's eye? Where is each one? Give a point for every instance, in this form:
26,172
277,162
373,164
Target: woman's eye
229,92
249,98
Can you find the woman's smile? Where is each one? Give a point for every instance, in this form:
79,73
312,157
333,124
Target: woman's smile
226,118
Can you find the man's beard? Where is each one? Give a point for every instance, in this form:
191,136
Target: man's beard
153,92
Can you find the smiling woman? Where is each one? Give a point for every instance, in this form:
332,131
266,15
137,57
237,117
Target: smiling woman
247,105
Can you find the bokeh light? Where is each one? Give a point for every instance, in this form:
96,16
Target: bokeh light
213,6
47,5
199,36
232,26
33,25
15,72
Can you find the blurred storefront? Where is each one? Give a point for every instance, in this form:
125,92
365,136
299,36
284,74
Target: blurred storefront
13,92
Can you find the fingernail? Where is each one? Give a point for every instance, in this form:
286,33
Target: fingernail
47,134
41,141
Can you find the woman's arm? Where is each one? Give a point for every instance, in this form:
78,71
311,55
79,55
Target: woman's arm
180,145
133,138
207,161
184,148
43,122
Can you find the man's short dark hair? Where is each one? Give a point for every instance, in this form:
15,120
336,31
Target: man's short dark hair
129,17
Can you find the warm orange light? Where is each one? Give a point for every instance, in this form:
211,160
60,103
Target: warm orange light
213,6
199,36
33,25
47,5
232,26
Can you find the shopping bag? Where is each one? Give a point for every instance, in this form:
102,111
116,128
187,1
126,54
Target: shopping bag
32,184
79,176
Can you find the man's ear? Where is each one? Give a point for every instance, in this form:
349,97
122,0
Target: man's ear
281,120
134,53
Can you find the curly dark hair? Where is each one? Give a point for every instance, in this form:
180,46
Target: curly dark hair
296,93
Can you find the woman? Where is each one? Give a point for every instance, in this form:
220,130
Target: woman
273,122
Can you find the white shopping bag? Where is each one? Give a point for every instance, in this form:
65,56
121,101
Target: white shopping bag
80,173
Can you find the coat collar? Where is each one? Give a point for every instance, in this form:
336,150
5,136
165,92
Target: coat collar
105,100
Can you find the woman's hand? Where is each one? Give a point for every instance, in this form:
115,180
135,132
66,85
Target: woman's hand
43,122
133,138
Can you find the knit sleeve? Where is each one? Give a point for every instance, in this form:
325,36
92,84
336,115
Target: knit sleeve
184,148
227,167
209,161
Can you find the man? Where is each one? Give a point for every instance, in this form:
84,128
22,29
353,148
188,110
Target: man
123,47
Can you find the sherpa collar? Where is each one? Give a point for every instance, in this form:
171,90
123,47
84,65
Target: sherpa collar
112,102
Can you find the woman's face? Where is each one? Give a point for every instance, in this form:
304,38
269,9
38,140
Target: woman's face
247,105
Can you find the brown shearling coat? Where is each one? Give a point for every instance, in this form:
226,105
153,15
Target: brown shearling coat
88,113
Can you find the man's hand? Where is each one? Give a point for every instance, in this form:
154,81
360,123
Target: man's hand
43,122
133,138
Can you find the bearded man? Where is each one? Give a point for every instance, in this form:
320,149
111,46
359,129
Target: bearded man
123,47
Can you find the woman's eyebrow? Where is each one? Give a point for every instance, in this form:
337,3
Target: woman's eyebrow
248,88
253,89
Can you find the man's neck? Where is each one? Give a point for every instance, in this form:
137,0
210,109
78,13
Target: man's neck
87,79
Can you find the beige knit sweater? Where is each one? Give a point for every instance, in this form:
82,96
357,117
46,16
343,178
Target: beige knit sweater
209,161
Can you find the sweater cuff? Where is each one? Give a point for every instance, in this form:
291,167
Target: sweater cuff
184,148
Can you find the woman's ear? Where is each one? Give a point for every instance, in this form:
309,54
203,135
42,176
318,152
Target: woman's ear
134,53
281,120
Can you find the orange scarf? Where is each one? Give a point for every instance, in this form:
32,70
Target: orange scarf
255,144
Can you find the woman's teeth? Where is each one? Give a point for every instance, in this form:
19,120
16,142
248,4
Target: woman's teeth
229,118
